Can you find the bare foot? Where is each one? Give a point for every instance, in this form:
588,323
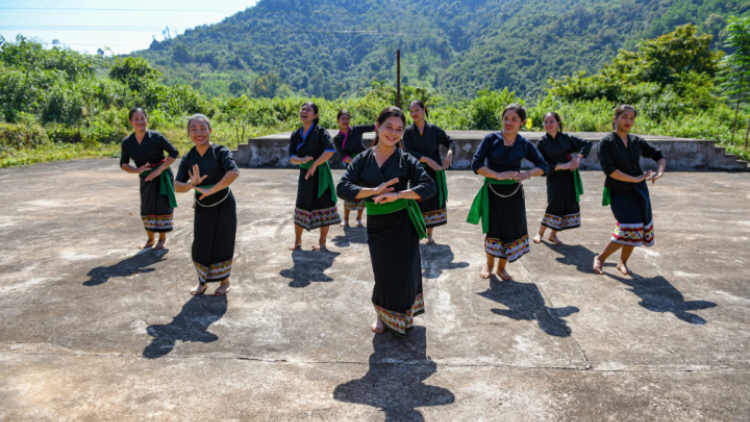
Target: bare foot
552,238
222,289
344,223
624,268
297,244
149,243
359,223
537,238
504,274
598,265
430,240
161,244
486,272
378,326
319,246
199,290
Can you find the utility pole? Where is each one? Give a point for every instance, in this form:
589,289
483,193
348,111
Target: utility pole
398,78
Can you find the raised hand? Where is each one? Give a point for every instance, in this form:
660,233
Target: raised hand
385,186
195,176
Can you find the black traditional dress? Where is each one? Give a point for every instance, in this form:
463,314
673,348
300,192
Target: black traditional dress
563,186
501,204
350,145
215,225
316,196
157,196
427,144
630,202
393,233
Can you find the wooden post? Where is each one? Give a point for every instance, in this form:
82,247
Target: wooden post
398,78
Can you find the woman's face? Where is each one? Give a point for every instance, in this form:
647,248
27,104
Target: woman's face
344,121
199,132
307,114
139,122
416,113
625,121
390,131
512,122
551,125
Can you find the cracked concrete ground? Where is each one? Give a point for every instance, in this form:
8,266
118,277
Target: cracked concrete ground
94,330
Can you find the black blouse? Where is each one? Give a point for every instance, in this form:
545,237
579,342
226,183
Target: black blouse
558,149
317,142
151,149
354,142
428,142
364,172
614,156
493,153
215,163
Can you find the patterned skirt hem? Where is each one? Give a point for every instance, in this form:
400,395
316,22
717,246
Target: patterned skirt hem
634,234
158,223
435,218
214,273
310,220
511,251
398,323
354,206
566,222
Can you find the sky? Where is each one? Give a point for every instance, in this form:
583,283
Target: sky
83,25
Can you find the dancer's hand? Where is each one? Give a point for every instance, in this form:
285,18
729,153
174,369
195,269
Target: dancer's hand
507,175
646,176
144,167
385,186
311,171
195,176
657,176
433,165
386,197
206,192
154,174
448,162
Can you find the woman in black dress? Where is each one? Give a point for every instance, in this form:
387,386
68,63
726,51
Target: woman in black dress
209,169
625,188
501,203
311,147
146,148
349,144
564,185
381,176
422,140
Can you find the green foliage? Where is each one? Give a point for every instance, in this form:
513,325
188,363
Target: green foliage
135,72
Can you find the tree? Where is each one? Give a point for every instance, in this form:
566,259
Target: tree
136,72
739,63
266,85
181,54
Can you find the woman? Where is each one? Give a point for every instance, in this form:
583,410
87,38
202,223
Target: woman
311,147
209,169
625,188
422,140
394,223
500,202
349,144
146,148
564,185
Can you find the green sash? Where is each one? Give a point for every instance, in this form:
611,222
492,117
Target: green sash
165,186
481,206
577,182
415,214
606,198
326,179
442,184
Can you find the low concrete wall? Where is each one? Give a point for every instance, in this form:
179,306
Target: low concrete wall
682,154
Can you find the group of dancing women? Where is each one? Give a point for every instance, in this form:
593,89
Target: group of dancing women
400,181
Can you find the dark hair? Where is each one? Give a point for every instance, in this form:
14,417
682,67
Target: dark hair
384,115
136,110
200,118
315,109
421,105
622,109
518,108
557,117
341,113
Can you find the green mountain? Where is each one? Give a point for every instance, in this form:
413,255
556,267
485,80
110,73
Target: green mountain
333,48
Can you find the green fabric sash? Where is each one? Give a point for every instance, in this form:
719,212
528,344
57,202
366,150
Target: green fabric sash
481,206
606,198
577,182
442,184
415,214
325,181
165,186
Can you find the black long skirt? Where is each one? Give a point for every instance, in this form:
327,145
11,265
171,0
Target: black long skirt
632,210
563,211
434,212
508,236
214,231
397,264
156,212
312,212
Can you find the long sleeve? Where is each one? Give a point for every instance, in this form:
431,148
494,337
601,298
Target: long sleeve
348,188
606,160
446,140
420,181
480,157
124,155
167,146
648,150
582,146
533,155
408,140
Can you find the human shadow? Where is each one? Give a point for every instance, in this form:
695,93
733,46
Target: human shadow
309,266
659,295
137,263
191,324
351,235
395,380
526,303
437,258
580,256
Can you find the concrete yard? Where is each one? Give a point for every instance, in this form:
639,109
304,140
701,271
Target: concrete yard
94,330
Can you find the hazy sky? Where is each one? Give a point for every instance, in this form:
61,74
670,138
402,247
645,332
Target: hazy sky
131,27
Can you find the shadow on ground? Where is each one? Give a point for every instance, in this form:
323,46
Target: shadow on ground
351,235
659,295
395,379
191,324
580,256
526,303
138,263
437,258
309,266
